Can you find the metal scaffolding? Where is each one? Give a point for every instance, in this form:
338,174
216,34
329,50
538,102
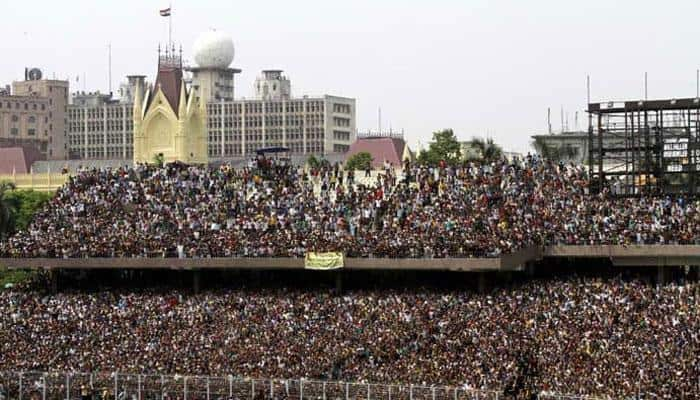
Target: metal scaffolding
645,147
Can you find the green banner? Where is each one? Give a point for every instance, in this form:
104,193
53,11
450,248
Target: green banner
324,261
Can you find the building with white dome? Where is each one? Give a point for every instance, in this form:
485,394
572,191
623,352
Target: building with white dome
236,128
213,49
212,76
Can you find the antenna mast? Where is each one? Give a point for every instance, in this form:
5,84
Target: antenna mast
588,90
109,47
646,87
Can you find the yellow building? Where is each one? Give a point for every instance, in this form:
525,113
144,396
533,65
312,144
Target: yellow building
169,120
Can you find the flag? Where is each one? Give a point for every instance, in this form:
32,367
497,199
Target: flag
165,12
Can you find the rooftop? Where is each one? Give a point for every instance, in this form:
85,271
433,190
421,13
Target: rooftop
642,105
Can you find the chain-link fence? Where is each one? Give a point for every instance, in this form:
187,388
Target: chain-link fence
116,386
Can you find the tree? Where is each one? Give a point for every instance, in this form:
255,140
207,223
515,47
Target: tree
7,209
444,147
488,149
159,160
25,203
424,158
360,161
313,162
553,153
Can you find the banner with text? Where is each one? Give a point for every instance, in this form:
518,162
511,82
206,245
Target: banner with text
324,261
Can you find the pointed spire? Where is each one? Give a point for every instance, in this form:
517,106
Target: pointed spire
137,102
182,107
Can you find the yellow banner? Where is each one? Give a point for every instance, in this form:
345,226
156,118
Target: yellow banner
324,261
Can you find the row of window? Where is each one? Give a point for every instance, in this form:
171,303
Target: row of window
99,126
268,107
338,121
14,131
341,135
113,152
81,140
342,108
34,106
30,119
269,135
295,148
340,148
99,113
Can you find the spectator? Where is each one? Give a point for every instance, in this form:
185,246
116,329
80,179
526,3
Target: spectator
586,336
271,209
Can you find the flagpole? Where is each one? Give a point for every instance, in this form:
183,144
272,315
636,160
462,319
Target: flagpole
170,24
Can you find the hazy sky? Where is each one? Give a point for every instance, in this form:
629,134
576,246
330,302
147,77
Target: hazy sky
480,67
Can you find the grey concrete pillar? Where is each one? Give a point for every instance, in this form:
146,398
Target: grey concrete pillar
530,268
196,281
255,277
482,283
53,277
661,275
339,281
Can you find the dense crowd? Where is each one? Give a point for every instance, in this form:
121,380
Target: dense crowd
604,337
275,210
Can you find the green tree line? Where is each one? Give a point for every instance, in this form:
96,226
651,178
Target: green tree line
17,208
445,147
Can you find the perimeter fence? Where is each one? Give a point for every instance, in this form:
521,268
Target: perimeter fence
118,386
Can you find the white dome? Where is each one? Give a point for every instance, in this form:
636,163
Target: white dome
213,49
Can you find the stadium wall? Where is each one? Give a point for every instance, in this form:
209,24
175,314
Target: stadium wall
649,255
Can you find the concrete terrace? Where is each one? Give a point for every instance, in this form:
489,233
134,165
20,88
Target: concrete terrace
644,255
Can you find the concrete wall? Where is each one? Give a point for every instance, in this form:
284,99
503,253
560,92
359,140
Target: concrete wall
668,255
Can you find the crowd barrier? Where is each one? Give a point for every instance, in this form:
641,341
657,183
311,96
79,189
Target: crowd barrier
117,386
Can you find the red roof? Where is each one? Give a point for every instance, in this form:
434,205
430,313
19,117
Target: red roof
381,149
18,159
169,80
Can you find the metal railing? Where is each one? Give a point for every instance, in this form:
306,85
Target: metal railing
117,386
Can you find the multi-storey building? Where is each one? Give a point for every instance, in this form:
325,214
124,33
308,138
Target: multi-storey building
307,125
33,114
102,128
24,120
99,127
55,92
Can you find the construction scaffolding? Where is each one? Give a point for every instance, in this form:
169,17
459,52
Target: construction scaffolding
645,147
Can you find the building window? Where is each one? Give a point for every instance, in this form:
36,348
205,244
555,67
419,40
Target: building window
14,131
31,119
31,132
15,118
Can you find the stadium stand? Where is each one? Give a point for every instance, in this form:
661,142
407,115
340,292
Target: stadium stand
537,337
597,336
271,210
